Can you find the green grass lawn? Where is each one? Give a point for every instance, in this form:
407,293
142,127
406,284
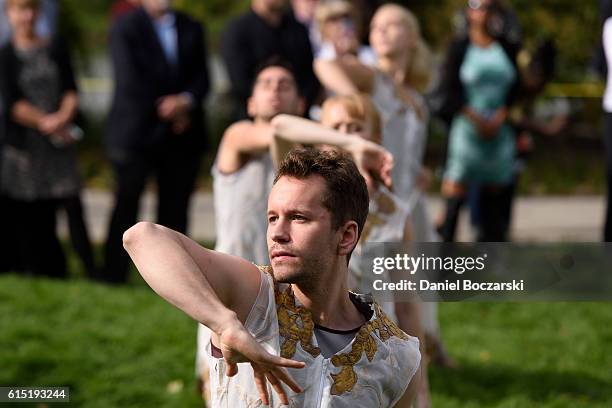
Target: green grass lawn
125,347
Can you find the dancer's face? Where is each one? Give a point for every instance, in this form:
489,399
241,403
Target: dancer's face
339,30
337,117
274,92
301,240
389,34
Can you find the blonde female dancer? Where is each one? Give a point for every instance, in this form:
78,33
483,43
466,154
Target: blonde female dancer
402,71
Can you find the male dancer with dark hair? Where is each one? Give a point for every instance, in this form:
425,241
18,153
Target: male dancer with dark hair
243,173
295,321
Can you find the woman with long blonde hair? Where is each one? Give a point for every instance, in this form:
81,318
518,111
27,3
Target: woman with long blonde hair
402,71
395,84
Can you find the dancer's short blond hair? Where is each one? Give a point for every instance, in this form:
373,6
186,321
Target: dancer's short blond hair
360,107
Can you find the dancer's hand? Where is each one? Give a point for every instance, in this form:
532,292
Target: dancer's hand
372,160
238,346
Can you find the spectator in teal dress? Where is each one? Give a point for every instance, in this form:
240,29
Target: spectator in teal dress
480,80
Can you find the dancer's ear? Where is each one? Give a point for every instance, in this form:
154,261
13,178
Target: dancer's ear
301,108
349,235
251,109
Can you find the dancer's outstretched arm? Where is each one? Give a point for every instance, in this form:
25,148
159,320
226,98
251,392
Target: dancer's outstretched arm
371,158
216,289
344,76
242,138
408,398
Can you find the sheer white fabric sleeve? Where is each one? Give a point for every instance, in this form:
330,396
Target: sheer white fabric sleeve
263,312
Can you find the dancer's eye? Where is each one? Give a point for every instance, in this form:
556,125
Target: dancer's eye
355,128
272,218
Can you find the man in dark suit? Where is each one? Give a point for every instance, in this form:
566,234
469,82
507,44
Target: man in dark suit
156,123
8,254
268,29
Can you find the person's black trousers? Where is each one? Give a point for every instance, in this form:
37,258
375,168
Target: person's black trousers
175,165
493,225
79,235
448,228
35,234
10,257
607,236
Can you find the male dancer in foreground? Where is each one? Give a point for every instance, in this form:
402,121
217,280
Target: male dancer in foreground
294,322
243,174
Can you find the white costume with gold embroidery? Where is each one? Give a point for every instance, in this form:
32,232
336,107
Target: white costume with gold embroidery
241,204
374,370
405,135
386,223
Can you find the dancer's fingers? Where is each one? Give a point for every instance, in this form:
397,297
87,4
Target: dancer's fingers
277,387
260,383
283,362
283,376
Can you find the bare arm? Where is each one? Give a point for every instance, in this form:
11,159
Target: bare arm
215,289
290,130
69,105
57,121
371,159
201,282
344,76
408,235
410,393
242,138
26,114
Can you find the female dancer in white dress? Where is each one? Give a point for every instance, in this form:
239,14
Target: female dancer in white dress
403,69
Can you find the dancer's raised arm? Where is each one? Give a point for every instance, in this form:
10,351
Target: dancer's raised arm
215,289
344,76
371,158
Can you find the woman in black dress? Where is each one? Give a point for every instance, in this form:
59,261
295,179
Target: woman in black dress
39,159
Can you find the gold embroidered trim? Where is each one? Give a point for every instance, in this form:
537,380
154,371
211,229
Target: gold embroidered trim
296,326
385,205
382,327
372,221
295,322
